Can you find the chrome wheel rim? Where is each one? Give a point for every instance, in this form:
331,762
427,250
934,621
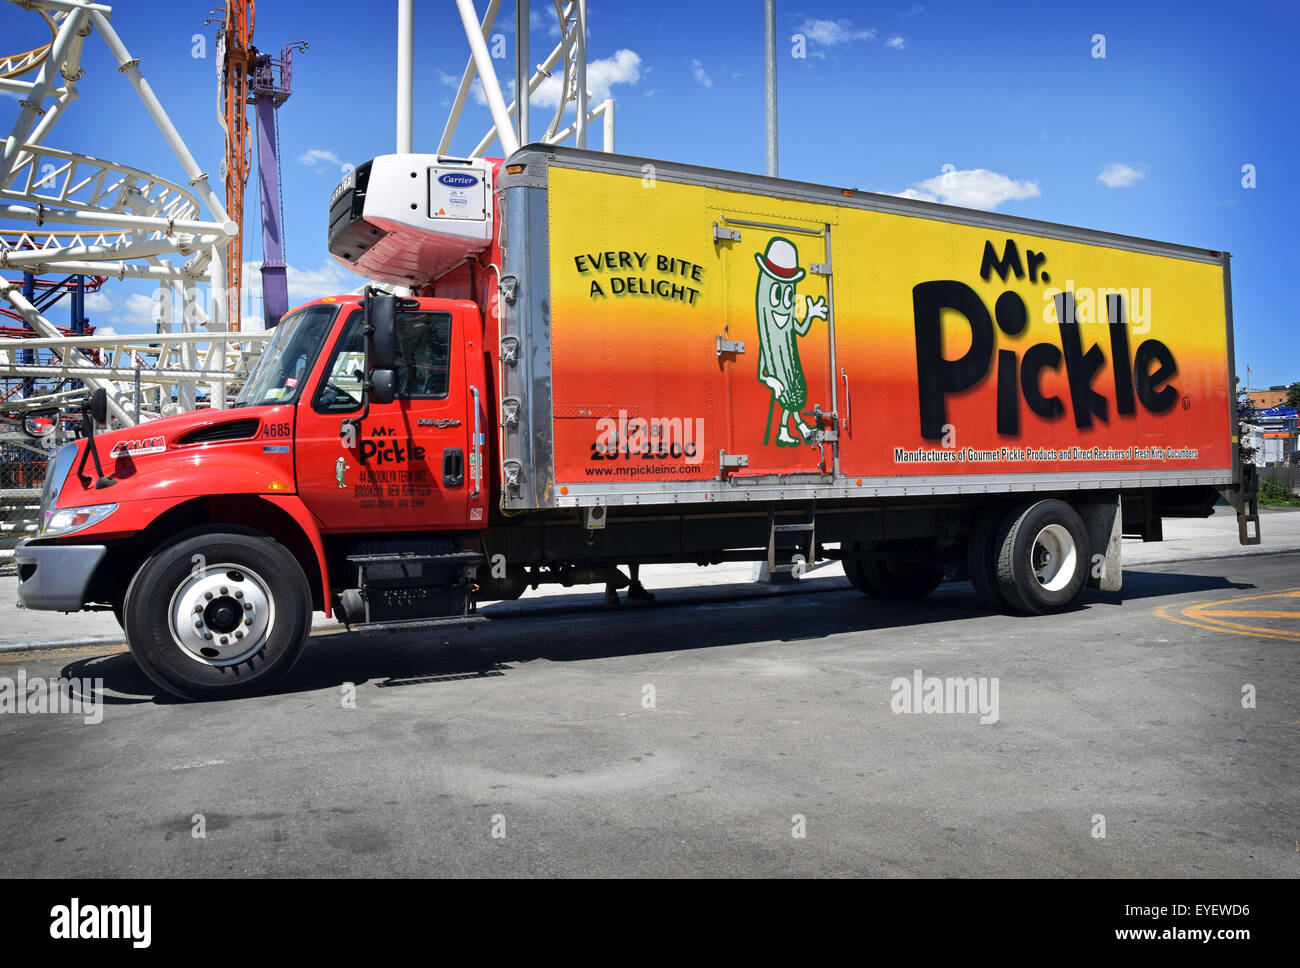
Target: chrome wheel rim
1054,557
222,615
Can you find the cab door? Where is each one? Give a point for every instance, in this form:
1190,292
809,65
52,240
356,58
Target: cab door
777,349
405,465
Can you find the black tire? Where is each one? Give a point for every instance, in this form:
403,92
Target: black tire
982,557
898,580
1043,556
853,571
250,607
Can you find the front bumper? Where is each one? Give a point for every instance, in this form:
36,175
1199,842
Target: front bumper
54,577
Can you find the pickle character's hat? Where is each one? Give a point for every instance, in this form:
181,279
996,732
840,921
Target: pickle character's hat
780,261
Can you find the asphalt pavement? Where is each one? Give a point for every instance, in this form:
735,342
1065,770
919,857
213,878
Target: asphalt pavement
1151,732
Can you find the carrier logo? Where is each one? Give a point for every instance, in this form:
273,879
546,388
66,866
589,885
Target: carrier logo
344,186
457,181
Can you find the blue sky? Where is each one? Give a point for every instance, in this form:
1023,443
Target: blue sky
1149,140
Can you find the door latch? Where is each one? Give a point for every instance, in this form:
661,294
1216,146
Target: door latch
509,350
453,467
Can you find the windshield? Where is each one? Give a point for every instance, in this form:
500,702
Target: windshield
288,357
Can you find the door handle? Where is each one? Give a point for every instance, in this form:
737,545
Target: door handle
848,406
453,467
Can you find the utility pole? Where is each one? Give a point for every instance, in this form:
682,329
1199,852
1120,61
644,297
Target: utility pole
405,74
769,36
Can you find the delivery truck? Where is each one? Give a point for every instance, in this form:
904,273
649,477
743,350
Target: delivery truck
584,361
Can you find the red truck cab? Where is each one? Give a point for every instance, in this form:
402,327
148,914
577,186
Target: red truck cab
213,535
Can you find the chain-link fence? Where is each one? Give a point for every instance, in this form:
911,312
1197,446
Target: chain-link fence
1286,474
22,474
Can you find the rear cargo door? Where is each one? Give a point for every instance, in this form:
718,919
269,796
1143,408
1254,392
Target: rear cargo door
776,345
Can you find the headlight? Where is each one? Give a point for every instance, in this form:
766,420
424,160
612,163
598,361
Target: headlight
68,520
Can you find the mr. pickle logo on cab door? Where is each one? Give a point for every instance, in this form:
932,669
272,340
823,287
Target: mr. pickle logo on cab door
1140,378
383,447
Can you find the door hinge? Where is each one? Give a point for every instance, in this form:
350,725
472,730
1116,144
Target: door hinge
726,460
730,346
724,235
820,268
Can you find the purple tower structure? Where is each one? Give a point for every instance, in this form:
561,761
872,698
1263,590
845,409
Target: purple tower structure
267,92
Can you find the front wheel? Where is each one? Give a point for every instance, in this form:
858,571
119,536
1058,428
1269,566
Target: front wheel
218,615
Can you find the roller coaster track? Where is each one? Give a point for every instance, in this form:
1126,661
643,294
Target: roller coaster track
16,65
72,213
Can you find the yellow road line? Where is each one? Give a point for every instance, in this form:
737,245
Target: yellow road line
1198,615
1246,614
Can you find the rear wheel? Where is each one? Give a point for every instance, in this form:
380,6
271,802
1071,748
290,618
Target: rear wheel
218,615
893,579
1043,555
982,558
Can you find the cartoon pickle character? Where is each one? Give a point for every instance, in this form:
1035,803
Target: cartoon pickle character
778,350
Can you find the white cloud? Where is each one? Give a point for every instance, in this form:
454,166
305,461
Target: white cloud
105,331
98,302
476,89
321,159
448,80
912,13
972,188
139,309
832,33
896,42
537,20
330,279
602,74
701,74
1117,175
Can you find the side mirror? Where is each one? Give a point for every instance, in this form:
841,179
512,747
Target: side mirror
381,331
97,408
383,385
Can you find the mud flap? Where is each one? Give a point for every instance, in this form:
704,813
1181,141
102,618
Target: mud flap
1105,534
1245,500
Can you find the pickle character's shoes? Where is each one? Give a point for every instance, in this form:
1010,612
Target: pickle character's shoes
611,596
638,592
804,431
783,439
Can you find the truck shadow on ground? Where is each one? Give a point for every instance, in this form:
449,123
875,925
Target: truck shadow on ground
588,632
596,632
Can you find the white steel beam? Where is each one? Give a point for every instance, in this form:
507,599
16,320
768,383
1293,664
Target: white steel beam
487,76
466,79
